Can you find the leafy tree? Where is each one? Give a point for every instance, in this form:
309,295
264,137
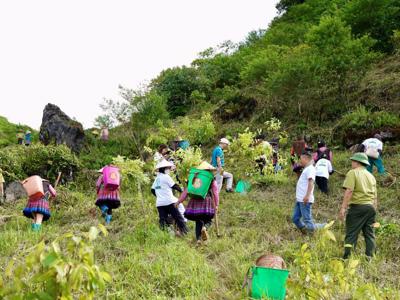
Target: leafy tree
104,121
378,19
177,85
284,5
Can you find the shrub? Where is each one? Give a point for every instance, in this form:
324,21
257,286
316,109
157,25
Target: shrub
63,269
362,123
198,131
19,162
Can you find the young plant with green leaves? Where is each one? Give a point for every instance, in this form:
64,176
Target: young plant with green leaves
63,269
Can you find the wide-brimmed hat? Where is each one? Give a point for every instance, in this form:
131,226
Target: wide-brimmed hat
224,141
164,164
206,166
361,158
28,131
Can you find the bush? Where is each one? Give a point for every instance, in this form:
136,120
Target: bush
363,123
46,161
63,269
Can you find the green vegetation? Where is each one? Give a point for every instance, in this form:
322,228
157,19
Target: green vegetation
8,132
324,68
145,262
19,162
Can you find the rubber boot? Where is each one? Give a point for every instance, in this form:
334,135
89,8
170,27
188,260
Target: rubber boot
33,226
37,227
104,210
108,219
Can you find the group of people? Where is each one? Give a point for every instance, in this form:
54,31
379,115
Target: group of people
358,207
24,138
360,199
201,211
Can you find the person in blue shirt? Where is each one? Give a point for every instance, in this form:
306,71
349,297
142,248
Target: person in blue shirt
28,138
218,161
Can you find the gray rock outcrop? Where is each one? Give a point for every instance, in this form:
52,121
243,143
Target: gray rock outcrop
58,128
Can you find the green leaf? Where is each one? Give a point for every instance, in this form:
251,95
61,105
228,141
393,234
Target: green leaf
106,276
330,235
93,233
103,229
50,260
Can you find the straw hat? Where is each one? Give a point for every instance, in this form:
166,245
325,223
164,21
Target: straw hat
164,164
361,158
206,166
224,141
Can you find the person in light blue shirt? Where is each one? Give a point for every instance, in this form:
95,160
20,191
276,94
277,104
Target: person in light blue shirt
218,161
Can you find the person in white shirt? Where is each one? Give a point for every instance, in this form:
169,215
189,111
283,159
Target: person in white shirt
373,147
323,170
302,214
162,188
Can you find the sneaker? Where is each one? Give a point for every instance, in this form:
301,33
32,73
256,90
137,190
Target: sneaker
229,190
108,219
204,234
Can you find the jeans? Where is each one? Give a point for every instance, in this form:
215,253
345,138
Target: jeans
376,162
302,217
220,179
164,211
360,218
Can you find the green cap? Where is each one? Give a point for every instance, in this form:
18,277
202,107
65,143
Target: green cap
361,158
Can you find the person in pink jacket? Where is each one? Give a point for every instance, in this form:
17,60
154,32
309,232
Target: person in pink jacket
202,211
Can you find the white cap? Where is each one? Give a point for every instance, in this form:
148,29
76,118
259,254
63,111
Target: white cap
224,141
164,164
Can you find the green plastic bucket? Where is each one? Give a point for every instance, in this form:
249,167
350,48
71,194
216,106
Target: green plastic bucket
268,283
199,183
243,187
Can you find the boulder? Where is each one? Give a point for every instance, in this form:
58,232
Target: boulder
58,128
15,191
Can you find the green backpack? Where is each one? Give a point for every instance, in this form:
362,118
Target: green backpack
199,183
266,283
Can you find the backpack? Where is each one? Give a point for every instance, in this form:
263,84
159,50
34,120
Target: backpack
34,186
111,178
327,151
199,183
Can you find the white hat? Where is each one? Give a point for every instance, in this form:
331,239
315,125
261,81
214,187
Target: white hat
224,141
164,164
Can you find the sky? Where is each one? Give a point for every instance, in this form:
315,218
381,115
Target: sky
75,53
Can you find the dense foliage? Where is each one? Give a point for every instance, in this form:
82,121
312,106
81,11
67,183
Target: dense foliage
19,162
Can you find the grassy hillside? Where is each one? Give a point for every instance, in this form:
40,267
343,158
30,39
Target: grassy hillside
146,263
8,132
